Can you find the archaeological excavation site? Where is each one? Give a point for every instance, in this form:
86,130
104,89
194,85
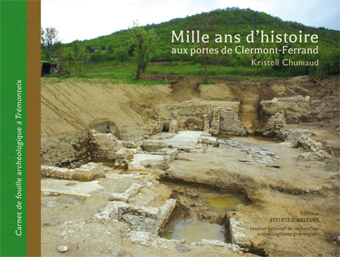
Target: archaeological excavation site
238,167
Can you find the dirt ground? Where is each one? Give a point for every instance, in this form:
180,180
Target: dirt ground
296,187
73,106
292,210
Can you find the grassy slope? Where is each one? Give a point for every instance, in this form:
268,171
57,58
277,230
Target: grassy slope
114,57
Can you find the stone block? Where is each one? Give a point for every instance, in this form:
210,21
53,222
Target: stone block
153,145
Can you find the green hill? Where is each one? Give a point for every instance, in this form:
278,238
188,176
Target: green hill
233,25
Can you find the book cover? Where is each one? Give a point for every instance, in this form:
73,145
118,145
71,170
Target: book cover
161,129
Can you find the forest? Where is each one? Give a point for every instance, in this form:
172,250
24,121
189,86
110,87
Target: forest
223,29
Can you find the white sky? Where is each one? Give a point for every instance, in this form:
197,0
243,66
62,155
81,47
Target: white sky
87,19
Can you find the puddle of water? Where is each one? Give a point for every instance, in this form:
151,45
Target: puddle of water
193,231
221,204
196,206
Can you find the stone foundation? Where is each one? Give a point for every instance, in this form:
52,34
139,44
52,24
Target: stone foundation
139,218
87,172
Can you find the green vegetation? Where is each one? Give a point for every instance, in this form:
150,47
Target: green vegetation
75,57
106,73
114,55
49,42
142,43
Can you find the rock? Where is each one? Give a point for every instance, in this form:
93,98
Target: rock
141,219
245,160
211,242
206,126
273,166
249,157
70,200
285,144
275,124
316,148
244,149
88,172
49,203
47,193
153,145
296,108
102,174
183,241
129,144
142,161
164,214
305,156
250,163
230,122
85,172
173,126
215,123
207,140
267,159
312,156
332,147
49,223
167,135
102,208
182,248
103,146
309,144
134,189
295,134
124,197
62,249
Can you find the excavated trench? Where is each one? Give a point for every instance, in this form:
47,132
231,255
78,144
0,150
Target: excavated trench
189,171
201,209
208,177
200,212
223,185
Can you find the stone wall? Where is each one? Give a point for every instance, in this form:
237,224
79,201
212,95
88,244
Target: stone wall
87,172
300,108
103,146
211,116
276,127
230,123
139,218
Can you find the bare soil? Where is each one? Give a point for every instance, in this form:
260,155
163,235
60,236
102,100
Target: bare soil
300,197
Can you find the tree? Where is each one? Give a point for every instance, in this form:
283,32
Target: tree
68,57
49,36
76,58
142,42
81,59
204,24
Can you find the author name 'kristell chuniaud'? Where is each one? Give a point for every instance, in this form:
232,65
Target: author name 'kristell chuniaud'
284,62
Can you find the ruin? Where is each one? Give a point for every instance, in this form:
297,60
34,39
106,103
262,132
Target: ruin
118,175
